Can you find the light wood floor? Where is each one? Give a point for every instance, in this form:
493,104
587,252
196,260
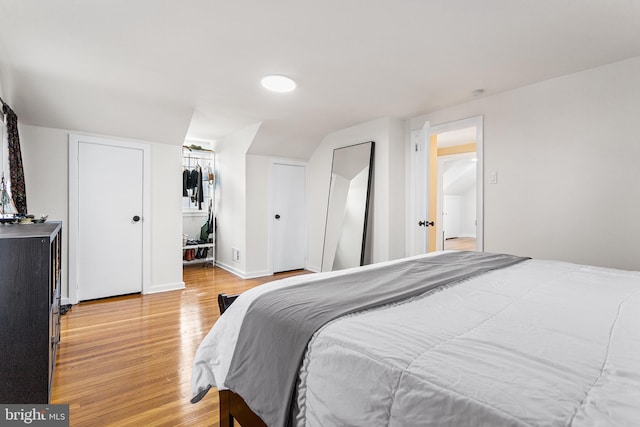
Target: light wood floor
126,361
461,244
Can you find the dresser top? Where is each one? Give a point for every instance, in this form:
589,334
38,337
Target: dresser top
20,231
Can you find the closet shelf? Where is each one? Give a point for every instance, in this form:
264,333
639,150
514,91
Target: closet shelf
194,212
198,261
201,245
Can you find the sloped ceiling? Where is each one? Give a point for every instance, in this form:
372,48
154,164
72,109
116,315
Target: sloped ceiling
459,177
169,70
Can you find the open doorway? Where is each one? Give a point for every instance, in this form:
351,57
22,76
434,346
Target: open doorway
448,186
458,191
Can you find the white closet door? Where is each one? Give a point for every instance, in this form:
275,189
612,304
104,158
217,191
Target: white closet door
289,237
110,232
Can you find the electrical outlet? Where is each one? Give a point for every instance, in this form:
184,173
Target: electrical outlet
235,254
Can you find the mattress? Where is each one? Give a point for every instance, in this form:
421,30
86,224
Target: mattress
538,343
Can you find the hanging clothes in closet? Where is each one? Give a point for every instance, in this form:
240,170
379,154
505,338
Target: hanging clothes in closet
199,188
186,176
192,185
197,180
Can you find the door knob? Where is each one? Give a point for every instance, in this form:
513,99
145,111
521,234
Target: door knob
277,216
136,218
426,223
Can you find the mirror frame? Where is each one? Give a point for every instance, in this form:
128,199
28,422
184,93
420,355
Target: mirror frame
370,165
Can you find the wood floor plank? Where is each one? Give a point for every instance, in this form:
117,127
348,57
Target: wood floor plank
126,361
460,244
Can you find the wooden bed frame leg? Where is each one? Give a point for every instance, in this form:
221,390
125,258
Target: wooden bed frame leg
224,301
234,408
226,420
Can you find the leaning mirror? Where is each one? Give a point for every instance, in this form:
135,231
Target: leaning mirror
346,225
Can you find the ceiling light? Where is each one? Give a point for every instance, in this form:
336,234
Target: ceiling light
278,83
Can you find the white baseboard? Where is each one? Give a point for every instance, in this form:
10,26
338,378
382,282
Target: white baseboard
254,274
165,287
313,268
230,269
242,274
152,290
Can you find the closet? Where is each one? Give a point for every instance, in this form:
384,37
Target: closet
198,206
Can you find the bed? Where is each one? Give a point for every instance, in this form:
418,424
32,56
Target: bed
527,342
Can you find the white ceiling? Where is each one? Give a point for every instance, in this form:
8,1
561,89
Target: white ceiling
455,137
166,70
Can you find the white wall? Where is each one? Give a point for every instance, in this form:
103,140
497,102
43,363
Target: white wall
166,220
5,79
567,155
397,184
231,210
468,209
257,222
45,159
387,205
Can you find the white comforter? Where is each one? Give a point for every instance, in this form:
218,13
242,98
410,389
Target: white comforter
539,343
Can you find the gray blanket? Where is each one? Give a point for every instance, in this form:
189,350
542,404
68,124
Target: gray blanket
278,326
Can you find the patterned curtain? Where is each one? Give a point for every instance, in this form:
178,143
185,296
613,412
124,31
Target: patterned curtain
16,173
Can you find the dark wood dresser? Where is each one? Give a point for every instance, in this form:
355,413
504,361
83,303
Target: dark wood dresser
30,262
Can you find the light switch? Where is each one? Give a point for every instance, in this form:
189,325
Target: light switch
493,177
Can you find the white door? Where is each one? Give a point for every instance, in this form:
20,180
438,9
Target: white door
451,216
110,215
419,188
289,235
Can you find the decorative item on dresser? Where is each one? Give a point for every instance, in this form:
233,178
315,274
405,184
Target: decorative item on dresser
30,263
